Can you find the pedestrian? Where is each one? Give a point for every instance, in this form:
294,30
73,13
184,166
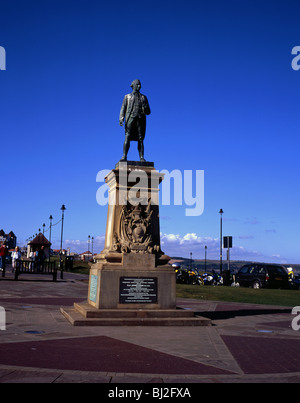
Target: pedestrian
32,258
16,255
41,258
42,254
3,253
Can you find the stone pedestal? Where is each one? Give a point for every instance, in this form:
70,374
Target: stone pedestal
133,213
135,283
131,282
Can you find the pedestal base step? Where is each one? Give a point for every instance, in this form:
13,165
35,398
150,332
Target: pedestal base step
85,315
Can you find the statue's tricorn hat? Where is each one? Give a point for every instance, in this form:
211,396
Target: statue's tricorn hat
135,82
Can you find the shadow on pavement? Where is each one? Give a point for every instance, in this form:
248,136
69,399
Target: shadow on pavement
222,315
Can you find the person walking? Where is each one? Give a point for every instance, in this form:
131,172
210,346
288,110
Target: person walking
16,255
32,260
3,253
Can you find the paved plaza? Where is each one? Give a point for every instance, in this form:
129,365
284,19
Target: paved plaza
246,343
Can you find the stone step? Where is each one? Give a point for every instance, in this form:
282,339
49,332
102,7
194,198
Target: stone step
77,319
90,312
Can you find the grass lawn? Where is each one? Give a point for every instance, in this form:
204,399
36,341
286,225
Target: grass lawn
81,268
289,298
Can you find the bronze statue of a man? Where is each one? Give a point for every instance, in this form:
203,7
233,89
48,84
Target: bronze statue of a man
134,109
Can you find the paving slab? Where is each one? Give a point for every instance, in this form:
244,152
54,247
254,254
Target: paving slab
246,342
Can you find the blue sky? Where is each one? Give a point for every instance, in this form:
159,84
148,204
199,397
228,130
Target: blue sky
224,99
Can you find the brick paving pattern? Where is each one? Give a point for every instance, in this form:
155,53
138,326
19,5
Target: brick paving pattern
247,342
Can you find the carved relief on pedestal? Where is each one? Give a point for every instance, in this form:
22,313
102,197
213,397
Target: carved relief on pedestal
135,230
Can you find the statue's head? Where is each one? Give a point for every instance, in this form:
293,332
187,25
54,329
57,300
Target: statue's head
136,85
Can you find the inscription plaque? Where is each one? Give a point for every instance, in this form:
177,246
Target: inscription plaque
93,287
138,290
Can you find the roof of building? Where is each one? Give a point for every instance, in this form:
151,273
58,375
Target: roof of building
40,239
10,234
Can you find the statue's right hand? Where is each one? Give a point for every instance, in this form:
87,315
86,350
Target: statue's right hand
121,122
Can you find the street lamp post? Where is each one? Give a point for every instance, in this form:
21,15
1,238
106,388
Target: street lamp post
50,218
221,212
89,240
205,249
92,249
63,208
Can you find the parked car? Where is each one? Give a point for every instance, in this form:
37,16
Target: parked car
265,275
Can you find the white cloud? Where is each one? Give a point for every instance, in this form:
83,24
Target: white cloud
177,245
170,238
80,246
181,246
191,237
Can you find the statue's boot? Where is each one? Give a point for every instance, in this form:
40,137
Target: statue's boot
125,150
141,151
